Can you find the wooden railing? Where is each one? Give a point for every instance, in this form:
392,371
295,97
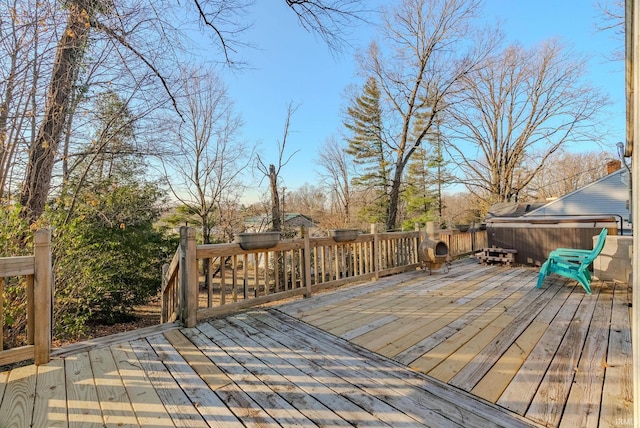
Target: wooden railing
464,243
38,279
203,281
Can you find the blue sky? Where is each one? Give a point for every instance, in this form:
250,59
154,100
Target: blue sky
291,65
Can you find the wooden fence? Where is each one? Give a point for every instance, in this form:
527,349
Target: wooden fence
38,282
203,281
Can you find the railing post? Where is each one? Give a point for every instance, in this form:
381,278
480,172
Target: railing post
375,251
415,257
473,239
188,277
307,261
163,301
2,316
42,285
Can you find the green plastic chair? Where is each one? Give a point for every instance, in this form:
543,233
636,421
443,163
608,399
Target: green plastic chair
572,263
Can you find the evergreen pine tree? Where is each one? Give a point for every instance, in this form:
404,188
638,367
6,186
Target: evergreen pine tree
419,196
442,175
427,175
369,150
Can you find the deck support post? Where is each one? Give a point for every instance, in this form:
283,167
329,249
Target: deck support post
188,277
42,296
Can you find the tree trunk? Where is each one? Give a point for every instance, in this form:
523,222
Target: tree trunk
206,229
43,152
275,199
394,197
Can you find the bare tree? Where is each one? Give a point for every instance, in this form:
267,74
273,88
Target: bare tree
612,19
204,174
146,38
462,208
45,147
329,19
335,164
272,172
429,49
307,199
565,172
27,28
520,103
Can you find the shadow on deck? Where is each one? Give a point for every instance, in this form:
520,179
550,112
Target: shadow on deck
484,348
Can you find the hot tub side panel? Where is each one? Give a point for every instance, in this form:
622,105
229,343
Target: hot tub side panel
534,241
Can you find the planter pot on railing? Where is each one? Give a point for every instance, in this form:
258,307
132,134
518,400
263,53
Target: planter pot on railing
462,227
343,235
256,241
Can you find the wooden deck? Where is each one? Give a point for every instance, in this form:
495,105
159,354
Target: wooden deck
496,352
554,355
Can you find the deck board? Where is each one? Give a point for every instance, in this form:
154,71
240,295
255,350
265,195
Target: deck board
441,330
411,318
493,320
548,403
209,372
377,399
582,407
145,401
519,317
178,405
345,316
208,404
495,352
19,397
83,406
526,352
497,379
456,402
112,395
244,394
50,401
252,381
617,400
359,363
518,395
294,406
499,376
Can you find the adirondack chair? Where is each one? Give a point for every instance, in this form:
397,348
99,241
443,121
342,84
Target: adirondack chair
572,263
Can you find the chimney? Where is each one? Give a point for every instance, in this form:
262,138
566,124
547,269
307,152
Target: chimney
613,166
